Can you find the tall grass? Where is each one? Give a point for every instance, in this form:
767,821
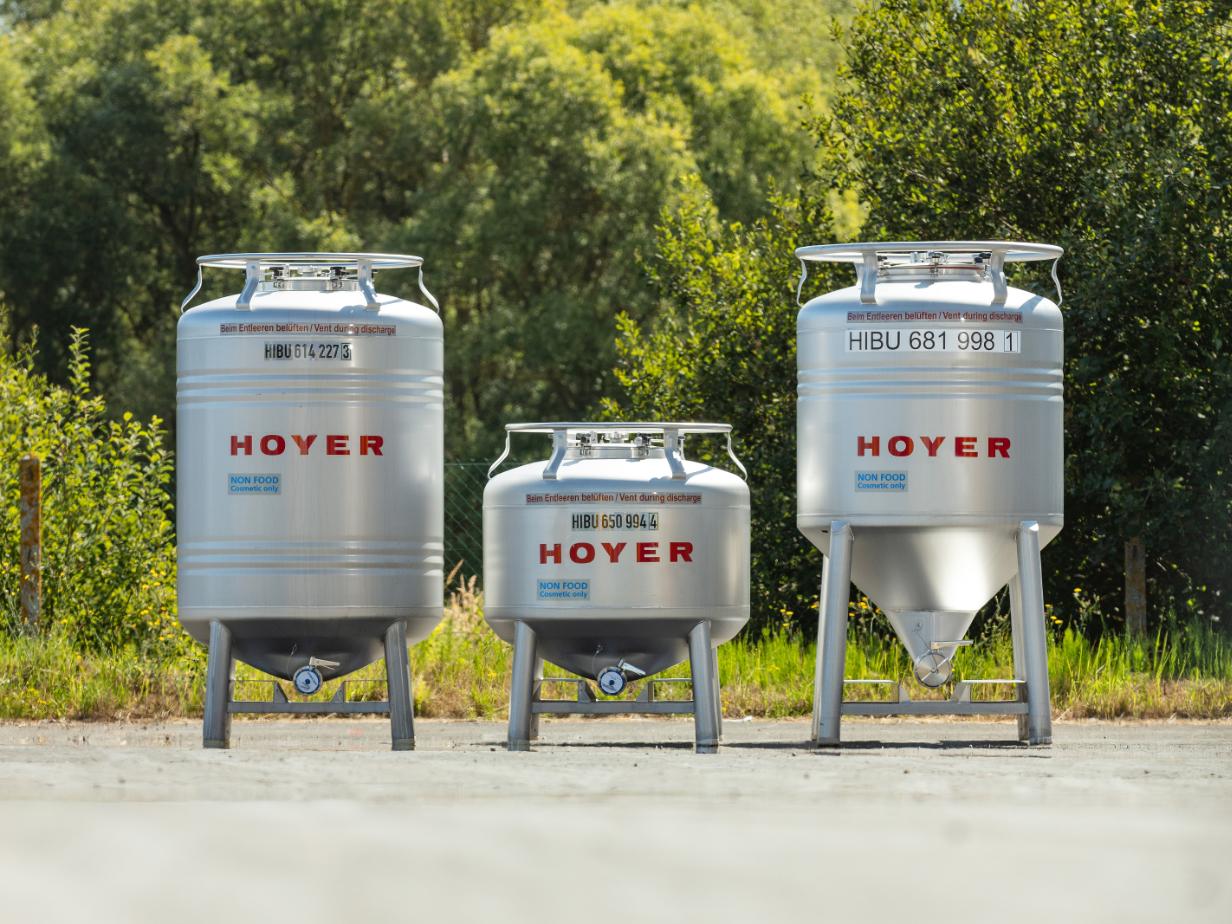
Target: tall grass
462,670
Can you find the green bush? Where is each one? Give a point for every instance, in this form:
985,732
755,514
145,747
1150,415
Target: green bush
108,543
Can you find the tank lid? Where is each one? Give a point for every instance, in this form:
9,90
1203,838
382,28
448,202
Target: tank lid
619,427
339,266
876,258
636,431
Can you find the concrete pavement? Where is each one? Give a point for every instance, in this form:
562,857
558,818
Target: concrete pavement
616,818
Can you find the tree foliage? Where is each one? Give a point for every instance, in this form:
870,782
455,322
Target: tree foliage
1105,127
524,147
108,548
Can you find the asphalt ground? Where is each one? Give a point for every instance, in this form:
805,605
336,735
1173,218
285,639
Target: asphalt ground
616,819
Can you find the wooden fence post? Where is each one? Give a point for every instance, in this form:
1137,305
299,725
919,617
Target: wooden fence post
30,479
1135,586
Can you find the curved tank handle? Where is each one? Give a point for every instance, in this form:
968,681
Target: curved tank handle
1057,282
673,450
560,445
503,455
733,457
363,274
428,295
244,302
196,289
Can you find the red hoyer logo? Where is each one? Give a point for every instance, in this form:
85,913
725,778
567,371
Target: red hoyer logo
964,446
583,553
335,444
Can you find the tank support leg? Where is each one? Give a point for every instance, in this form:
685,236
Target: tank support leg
718,695
832,635
1020,660
219,688
522,686
1034,636
705,707
536,696
398,677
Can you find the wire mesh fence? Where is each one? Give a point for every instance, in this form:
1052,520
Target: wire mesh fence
464,482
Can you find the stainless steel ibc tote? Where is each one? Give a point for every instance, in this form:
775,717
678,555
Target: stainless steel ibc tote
930,462
310,480
616,559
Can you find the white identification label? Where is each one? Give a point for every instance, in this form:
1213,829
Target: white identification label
591,521
562,590
264,483
293,350
881,481
922,340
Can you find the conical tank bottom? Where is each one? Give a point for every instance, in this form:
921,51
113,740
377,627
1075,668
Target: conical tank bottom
930,582
933,569
919,631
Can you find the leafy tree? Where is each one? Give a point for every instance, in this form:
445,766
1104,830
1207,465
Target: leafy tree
724,349
148,132
1104,127
108,562
560,145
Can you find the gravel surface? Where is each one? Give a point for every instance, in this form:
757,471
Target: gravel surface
616,818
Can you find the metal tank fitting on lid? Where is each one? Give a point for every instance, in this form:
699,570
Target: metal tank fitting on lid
616,559
930,460
310,479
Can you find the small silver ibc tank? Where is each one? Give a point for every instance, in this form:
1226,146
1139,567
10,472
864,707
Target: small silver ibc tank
310,477
616,547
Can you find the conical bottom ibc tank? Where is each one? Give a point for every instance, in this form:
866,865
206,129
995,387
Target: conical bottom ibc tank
616,548
310,463
930,419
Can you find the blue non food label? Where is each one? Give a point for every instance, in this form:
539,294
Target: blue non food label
264,483
881,481
562,590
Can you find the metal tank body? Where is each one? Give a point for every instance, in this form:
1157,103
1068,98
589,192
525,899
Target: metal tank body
930,421
613,550
310,463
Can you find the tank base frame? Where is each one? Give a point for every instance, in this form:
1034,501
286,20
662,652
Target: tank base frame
220,704
1031,705
526,691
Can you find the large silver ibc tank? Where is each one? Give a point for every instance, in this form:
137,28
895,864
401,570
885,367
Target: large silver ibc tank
931,420
616,547
310,463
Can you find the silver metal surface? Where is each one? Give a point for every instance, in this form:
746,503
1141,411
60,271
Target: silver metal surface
705,687
1020,662
316,272
832,635
933,669
639,436
330,708
873,259
614,707
398,678
219,688
1034,635
934,451
934,707
657,556
310,469
522,686
536,697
